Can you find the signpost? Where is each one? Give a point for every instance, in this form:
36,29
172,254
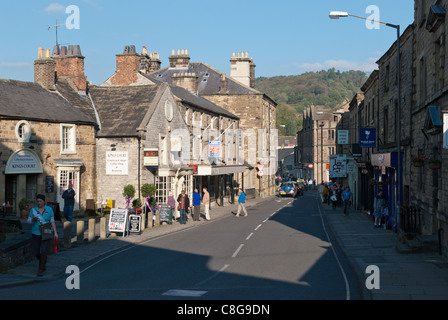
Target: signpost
118,220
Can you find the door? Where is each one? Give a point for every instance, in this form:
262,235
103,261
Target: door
66,176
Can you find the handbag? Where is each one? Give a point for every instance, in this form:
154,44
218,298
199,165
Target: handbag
46,231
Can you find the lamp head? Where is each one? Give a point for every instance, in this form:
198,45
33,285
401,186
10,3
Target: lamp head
338,14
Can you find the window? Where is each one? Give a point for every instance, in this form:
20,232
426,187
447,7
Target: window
23,131
68,138
163,185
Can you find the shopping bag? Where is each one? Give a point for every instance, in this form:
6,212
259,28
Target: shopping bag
56,245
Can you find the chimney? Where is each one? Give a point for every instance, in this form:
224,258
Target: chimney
149,63
44,69
186,80
70,65
223,86
128,64
179,60
242,69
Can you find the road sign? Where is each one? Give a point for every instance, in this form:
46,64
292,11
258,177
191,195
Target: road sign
260,173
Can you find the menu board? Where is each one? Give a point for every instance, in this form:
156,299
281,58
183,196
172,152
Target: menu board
117,220
135,223
165,213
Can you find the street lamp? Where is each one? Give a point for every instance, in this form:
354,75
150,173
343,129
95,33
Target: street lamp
321,125
343,14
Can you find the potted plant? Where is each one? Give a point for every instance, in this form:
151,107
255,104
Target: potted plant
24,206
435,163
128,193
418,161
137,205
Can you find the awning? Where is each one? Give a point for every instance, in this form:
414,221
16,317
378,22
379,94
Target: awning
213,170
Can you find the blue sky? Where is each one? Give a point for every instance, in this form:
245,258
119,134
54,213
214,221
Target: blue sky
284,37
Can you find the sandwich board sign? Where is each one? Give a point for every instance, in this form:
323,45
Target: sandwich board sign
118,220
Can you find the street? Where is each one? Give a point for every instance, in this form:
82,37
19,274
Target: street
281,251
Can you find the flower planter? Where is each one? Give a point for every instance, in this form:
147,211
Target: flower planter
418,163
435,165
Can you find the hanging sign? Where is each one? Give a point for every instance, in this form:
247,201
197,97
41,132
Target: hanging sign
214,148
367,137
338,166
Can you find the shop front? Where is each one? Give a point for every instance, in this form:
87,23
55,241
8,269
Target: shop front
23,173
385,178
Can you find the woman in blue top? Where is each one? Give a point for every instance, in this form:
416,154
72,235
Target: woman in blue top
41,214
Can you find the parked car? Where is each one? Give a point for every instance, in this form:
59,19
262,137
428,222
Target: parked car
288,189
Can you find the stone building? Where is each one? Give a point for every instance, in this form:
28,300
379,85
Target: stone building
429,118
317,140
140,116
45,142
235,93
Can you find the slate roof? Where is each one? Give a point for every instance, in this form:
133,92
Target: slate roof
209,79
28,100
200,102
122,109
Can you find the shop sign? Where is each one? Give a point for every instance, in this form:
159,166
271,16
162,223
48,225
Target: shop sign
23,162
214,148
117,163
151,157
118,220
367,137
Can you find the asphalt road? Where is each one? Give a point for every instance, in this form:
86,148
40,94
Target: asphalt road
281,251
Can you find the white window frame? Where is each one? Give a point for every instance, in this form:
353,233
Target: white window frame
23,131
68,142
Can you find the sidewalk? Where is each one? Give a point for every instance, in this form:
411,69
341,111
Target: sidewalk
403,276
83,253
412,276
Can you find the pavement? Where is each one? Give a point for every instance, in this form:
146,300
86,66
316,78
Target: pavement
402,274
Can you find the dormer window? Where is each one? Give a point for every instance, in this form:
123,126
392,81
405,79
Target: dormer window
436,17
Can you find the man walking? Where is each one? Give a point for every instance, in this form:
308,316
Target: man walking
69,202
241,203
196,205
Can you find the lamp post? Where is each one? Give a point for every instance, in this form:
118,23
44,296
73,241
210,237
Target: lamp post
321,125
342,14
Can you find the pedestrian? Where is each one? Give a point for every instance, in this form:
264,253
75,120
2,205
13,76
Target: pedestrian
172,204
69,202
339,195
333,197
206,202
183,205
196,205
347,197
39,216
241,203
325,194
378,208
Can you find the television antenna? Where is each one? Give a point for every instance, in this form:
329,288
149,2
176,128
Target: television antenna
56,26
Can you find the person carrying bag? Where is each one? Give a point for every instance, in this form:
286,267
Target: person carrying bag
43,231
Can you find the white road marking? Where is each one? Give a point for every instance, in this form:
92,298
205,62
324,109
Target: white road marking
248,237
237,250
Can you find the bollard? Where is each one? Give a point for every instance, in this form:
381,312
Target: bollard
103,227
91,234
67,234
143,222
80,231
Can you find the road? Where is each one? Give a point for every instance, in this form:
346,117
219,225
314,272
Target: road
281,251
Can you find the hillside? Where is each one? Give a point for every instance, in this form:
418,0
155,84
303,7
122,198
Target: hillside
294,93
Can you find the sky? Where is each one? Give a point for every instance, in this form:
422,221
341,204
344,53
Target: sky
284,37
